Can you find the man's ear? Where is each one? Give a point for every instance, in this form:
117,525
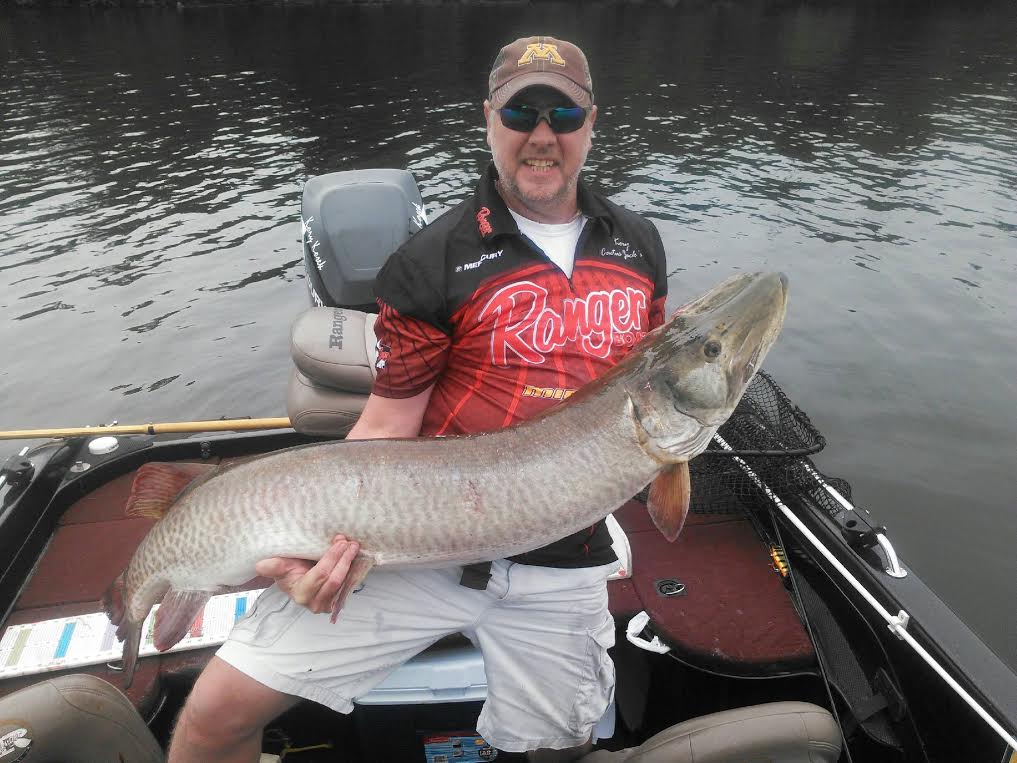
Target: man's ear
592,117
488,110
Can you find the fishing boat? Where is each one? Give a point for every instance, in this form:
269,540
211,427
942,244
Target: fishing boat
781,626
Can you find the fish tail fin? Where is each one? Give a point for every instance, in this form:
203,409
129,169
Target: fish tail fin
158,485
361,565
668,502
176,615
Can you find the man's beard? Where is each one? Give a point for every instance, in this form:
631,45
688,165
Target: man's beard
507,182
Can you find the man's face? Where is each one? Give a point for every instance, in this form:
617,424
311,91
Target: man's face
538,170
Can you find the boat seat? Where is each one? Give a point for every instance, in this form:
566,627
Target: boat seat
333,353
777,732
75,718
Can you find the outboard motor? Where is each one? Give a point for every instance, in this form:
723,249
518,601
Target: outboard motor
352,222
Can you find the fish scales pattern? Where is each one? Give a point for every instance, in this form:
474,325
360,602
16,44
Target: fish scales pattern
431,502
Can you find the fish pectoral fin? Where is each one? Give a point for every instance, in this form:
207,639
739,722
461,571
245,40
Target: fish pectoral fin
361,565
157,486
130,633
113,599
668,502
175,616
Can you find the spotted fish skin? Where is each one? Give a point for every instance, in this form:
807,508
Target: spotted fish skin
433,502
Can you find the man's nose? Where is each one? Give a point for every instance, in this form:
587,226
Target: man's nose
542,132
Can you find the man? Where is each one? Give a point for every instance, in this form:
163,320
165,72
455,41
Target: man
496,311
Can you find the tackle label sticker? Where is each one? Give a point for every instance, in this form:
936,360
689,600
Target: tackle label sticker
457,747
15,740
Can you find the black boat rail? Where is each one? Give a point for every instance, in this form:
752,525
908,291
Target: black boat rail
790,475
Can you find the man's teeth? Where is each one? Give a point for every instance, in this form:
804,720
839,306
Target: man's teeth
540,163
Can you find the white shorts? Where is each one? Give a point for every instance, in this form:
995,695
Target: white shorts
544,634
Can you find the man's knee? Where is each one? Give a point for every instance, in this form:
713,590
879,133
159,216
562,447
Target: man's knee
227,706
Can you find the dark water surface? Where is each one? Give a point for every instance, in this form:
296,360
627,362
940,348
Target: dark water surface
151,164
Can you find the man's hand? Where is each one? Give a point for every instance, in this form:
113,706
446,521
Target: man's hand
314,585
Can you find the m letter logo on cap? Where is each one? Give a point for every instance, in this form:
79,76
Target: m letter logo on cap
543,51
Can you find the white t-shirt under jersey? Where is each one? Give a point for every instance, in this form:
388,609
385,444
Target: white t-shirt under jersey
558,241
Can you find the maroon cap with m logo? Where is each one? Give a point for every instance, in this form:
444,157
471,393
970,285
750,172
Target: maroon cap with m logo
546,61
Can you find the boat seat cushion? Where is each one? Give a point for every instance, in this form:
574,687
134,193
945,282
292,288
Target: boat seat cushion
783,732
333,351
75,719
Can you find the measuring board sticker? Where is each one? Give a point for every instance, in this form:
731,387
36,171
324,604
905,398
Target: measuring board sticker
90,639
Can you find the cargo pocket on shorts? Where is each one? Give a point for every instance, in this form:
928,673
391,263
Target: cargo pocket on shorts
597,687
272,615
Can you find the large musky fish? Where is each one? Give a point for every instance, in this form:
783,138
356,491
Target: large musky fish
432,502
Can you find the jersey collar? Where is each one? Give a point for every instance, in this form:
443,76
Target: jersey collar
492,219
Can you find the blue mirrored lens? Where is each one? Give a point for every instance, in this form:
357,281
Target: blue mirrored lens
520,118
561,118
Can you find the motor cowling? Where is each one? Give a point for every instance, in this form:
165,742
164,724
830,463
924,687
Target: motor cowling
352,222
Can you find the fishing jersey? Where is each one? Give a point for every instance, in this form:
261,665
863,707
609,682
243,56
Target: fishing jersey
475,308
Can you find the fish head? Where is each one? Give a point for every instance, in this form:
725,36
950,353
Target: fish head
693,370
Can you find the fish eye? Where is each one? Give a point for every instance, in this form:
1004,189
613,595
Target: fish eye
712,349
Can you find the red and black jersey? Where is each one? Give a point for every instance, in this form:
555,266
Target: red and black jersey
473,307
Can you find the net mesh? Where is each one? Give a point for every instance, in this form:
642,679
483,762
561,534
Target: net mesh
773,438
768,425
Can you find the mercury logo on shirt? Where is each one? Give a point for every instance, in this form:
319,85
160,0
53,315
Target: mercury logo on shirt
525,326
477,263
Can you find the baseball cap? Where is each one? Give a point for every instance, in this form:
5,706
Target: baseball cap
546,61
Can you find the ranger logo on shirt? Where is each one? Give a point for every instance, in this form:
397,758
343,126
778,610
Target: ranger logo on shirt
525,326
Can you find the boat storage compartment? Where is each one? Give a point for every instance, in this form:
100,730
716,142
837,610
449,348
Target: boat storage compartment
429,703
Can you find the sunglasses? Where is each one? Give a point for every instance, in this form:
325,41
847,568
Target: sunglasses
560,118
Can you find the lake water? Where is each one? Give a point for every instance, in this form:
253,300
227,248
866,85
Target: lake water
152,160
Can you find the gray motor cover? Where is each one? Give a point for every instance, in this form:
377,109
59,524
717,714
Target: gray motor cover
352,222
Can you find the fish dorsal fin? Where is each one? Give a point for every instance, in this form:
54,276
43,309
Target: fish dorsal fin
175,616
668,502
157,486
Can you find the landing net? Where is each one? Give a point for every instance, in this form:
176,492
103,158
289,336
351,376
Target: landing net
774,438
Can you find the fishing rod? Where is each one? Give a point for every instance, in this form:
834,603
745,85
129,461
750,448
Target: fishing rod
172,427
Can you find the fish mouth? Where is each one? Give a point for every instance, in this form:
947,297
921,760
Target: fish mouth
762,315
